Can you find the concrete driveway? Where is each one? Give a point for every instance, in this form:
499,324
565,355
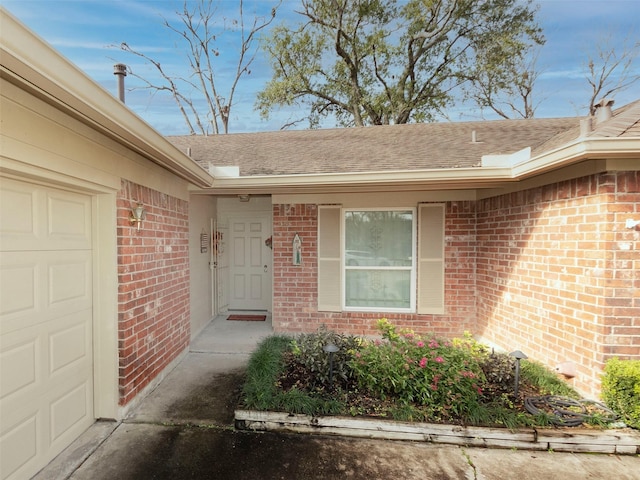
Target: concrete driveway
184,430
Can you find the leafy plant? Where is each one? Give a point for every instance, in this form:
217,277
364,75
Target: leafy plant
403,376
546,381
262,389
308,352
298,401
265,366
621,389
499,372
425,372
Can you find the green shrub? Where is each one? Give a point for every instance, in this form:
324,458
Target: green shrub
621,389
546,381
426,372
403,376
308,352
262,389
264,367
499,371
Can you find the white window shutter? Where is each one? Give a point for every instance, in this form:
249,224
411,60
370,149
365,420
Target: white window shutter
329,258
431,259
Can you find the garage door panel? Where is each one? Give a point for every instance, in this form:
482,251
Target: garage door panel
42,286
38,218
15,379
69,410
19,447
18,283
69,278
39,359
18,214
69,221
71,345
24,355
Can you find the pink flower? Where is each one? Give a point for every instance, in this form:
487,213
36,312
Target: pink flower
433,344
423,362
420,343
439,359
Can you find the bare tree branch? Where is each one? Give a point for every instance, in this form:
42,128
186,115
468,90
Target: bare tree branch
611,71
198,30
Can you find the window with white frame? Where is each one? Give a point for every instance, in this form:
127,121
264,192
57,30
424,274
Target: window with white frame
379,259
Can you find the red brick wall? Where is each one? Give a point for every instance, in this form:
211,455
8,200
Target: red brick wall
551,271
295,287
622,287
153,290
554,279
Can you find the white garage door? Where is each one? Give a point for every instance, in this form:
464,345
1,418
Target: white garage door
46,364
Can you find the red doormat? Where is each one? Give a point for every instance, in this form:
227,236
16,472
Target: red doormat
248,318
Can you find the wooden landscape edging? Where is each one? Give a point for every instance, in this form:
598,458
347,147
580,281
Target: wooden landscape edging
568,439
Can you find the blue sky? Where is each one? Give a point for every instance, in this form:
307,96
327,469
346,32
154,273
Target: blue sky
85,31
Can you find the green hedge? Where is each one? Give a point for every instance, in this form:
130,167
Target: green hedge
621,389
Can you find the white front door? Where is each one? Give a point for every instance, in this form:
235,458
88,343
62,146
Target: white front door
250,264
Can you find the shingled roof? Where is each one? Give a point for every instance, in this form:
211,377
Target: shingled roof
370,149
393,147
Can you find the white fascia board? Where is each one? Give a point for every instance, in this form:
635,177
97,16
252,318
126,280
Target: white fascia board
581,149
508,160
30,62
425,178
224,172
477,177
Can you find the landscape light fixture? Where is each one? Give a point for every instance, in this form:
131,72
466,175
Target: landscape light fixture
518,355
138,214
331,349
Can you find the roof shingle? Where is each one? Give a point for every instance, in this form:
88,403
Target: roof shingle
392,147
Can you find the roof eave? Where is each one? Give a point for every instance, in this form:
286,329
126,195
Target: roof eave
61,84
431,179
576,151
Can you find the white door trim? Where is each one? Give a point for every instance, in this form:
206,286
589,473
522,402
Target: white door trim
105,308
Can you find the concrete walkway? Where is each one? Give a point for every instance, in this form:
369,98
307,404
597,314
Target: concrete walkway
184,429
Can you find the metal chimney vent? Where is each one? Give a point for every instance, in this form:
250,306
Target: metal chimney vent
120,71
603,110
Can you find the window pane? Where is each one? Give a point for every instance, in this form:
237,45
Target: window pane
378,238
378,288
378,259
